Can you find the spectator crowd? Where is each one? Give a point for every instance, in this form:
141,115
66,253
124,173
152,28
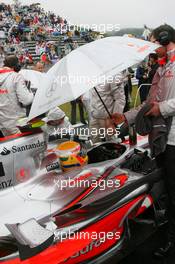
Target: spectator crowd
21,24
30,23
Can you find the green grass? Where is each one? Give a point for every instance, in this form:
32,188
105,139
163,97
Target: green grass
67,107
134,93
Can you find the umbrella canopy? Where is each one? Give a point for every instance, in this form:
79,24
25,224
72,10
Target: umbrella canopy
86,67
35,77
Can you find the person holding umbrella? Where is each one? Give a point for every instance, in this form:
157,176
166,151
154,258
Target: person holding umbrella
111,94
162,105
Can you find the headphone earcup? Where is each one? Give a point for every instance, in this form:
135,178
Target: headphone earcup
17,68
164,39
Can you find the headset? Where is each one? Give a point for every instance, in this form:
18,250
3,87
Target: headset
164,38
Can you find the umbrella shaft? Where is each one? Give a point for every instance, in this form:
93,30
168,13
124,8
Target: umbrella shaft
103,103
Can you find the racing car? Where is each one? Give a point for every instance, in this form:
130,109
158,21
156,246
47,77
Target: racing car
88,221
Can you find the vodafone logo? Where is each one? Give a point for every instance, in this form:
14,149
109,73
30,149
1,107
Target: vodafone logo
23,175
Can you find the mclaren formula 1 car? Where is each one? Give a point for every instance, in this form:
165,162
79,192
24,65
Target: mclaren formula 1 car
46,220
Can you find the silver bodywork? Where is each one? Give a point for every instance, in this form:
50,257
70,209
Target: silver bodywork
38,195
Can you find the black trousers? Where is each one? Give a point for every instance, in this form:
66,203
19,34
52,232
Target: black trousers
127,104
74,111
167,160
144,93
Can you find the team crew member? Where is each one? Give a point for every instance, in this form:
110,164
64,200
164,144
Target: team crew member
112,93
162,99
14,96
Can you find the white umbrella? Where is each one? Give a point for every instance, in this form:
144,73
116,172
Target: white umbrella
86,67
35,77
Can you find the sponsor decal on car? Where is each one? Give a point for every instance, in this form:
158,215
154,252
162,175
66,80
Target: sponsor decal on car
5,152
52,166
6,184
2,172
96,244
23,175
16,149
